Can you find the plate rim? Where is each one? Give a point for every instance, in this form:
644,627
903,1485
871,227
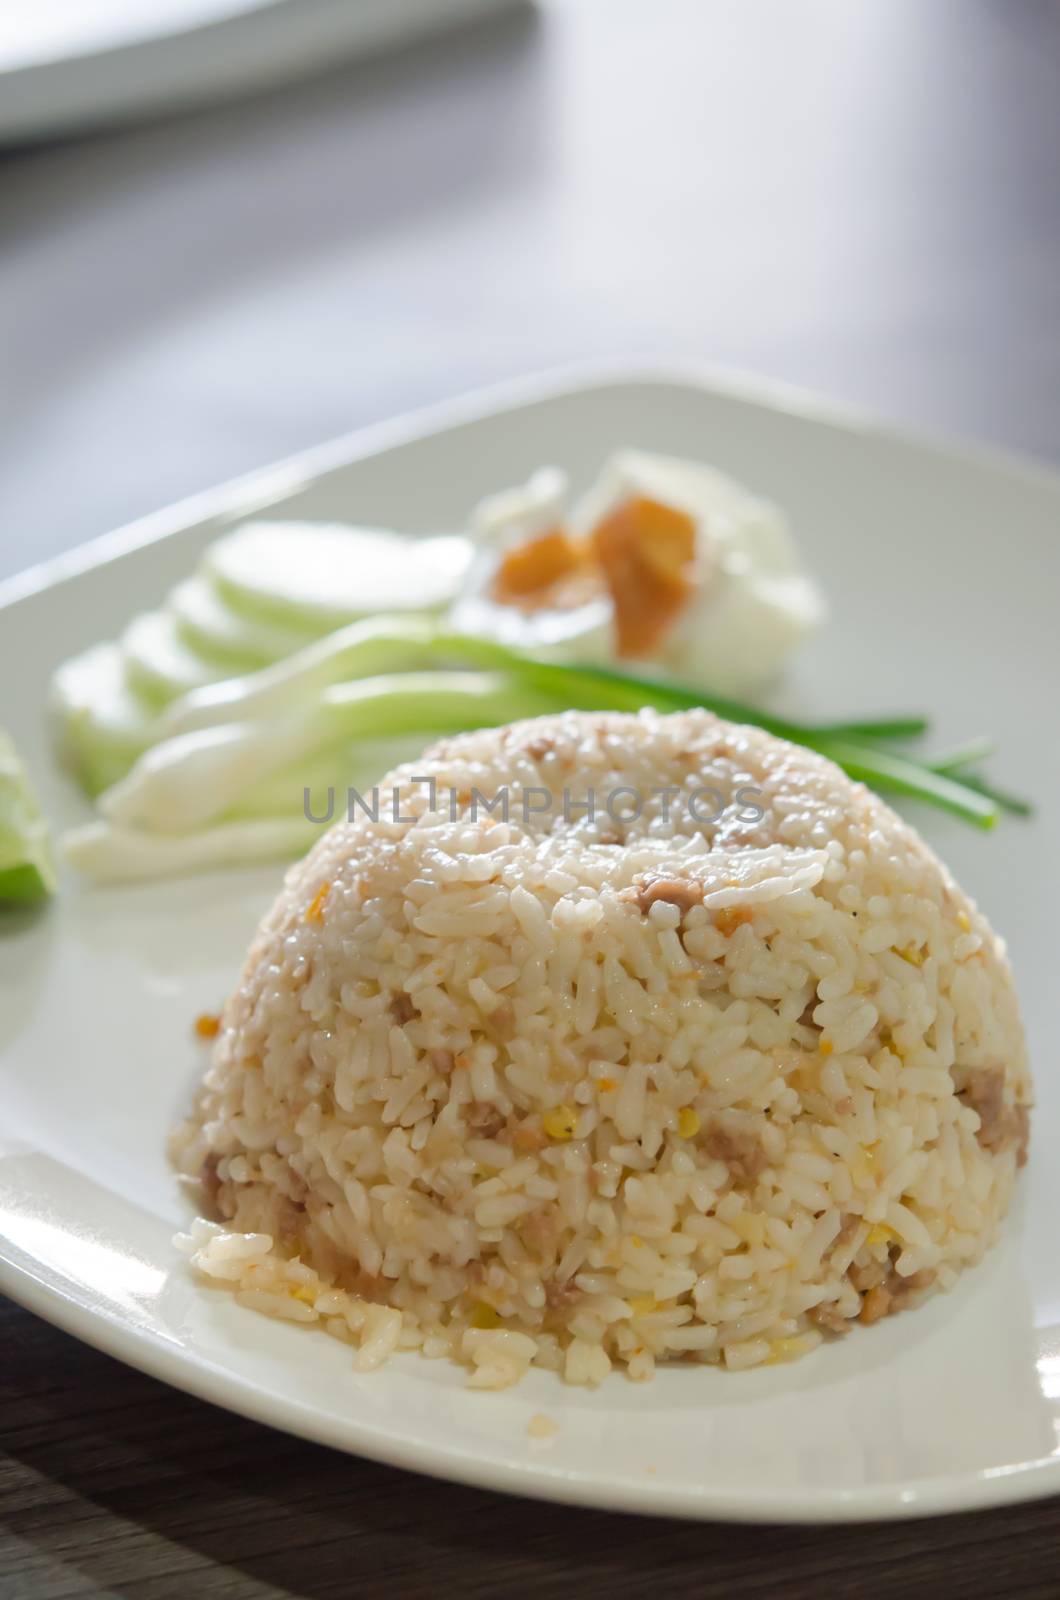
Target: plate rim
252,489
532,1478
44,1292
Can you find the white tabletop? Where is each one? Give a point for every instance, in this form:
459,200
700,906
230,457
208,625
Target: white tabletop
860,199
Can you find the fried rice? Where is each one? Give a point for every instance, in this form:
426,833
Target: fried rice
605,1085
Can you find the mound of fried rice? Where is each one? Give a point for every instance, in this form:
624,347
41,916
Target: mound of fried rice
586,1092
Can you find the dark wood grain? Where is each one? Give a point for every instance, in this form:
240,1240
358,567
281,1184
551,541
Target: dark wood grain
111,1483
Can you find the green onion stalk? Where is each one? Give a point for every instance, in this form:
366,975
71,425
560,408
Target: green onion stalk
410,676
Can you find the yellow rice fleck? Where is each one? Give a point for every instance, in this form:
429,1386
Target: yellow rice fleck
315,909
560,1122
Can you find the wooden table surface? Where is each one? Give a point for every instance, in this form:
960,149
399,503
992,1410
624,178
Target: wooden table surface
860,196
112,1484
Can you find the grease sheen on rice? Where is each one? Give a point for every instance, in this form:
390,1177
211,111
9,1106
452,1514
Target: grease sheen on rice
590,1093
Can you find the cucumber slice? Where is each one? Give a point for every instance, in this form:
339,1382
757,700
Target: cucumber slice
323,575
210,627
159,664
27,871
104,725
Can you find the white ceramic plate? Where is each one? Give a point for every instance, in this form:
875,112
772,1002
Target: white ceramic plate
943,572
68,63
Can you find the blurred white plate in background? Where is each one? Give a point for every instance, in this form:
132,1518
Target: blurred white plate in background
65,64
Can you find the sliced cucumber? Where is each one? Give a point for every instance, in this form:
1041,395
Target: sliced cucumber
27,871
323,575
104,725
159,664
210,627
